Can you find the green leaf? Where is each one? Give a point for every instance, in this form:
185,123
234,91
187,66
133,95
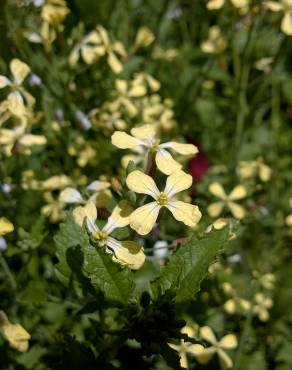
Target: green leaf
188,265
90,264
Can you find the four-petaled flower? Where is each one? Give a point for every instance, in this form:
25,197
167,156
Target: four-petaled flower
204,355
18,96
127,252
261,306
239,192
143,218
145,137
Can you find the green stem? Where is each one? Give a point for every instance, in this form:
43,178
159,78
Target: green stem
8,273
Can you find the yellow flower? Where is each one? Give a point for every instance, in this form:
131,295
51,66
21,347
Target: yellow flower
18,96
186,348
250,169
100,196
9,138
5,226
126,94
204,355
107,118
284,6
215,44
54,12
54,209
261,306
56,182
145,137
127,253
215,209
144,37
90,49
217,4
235,304
16,335
168,54
143,218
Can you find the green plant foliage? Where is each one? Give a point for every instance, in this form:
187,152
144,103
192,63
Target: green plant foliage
188,265
90,265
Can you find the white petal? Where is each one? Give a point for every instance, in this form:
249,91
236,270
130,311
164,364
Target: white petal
70,195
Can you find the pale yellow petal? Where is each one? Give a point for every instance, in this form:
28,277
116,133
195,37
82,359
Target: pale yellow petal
207,334
143,218
286,25
16,105
5,226
165,162
195,349
230,306
7,136
74,56
4,81
215,4
70,195
17,336
184,149
215,209
30,140
228,341
19,70
177,182
274,6
265,173
224,359
237,210
217,189
121,86
140,183
114,63
124,141
144,132
56,182
88,213
288,220
144,37
137,91
240,3
187,213
89,54
238,192
204,355
120,217
98,185
127,253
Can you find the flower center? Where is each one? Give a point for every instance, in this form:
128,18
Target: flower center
155,146
101,237
162,199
